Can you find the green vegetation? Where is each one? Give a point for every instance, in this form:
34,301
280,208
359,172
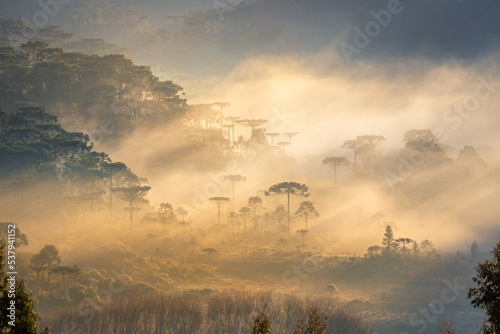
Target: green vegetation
487,293
26,319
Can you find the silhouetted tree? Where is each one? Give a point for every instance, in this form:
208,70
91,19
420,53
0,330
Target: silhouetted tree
404,242
425,143
280,214
471,159
474,251
373,250
21,238
272,135
219,201
45,260
166,214
333,162
255,204
26,320
222,106
132,195
113,168
486,295
302,234
65,271
289,188
234,178
331,289
244,213
364,147
308,211
415,249
182,213
252,123
290,135
427,247
388,242
232,119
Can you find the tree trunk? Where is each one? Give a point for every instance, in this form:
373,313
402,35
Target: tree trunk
288,210
131,213
335,168
233,196
110,196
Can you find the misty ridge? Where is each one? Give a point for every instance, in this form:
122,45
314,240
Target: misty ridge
224,33
250,167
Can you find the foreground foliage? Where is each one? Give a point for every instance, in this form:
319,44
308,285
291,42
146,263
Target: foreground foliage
487,295
26,318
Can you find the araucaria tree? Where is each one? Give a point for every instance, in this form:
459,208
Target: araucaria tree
255,203
45,260
65,271
244,214
279,214
308,211
333,162
364,153
112,168
289,188
234,178
132,195
252,123
290,135
404,242
487,294
219,201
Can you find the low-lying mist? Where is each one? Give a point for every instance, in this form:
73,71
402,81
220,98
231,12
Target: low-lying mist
327,102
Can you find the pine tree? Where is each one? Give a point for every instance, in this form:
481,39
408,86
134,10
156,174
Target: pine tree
26,318
388,241
474,251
